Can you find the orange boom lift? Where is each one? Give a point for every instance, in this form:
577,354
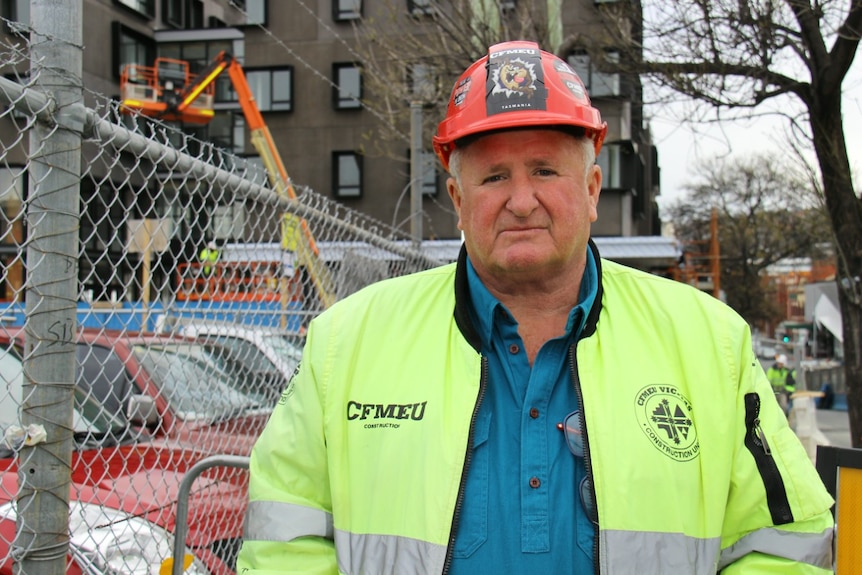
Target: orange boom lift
168,91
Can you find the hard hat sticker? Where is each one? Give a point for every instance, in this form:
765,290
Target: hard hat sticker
577,89
461,90
564,68
573,82
515,81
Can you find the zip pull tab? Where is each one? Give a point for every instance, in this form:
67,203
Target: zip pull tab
761,437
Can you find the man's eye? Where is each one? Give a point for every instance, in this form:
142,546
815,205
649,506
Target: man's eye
491,179
545,172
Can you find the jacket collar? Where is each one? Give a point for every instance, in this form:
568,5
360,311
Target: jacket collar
462,300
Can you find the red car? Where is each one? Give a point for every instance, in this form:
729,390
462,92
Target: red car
177,389
124,493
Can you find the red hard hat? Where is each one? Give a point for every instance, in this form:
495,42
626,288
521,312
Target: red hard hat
517,85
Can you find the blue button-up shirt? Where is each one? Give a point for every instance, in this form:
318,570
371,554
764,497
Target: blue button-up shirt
522,511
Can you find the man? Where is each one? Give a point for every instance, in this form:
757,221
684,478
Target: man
783,381
208,258
531,408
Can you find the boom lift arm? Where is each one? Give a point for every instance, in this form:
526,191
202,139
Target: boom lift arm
172,104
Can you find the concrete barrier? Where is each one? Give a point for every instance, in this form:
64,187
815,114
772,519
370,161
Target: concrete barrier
803,420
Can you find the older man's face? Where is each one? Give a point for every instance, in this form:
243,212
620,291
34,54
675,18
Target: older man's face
525,203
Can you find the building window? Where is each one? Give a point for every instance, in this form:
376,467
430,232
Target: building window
272,89
606,84
225,131
15,11
183,14
428,177
347,94
419,8
144,7
255,12
131,47
609,162
196,14
346,10
200,55
172,13
598,83
347,174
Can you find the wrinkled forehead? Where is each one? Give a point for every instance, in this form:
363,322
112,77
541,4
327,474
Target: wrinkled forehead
573,131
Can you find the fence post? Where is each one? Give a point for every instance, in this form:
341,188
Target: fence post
53,205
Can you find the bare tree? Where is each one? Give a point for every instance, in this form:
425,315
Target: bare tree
767,211
741,57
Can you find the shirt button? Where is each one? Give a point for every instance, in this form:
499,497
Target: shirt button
534,482
534,413
513,349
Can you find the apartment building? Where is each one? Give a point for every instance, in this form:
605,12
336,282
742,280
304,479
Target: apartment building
305,61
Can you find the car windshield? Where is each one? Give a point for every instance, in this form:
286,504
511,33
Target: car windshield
194,385
265,358
252,372
250,355
95,426
285,348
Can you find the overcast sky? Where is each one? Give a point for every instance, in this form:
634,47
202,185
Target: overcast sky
679,148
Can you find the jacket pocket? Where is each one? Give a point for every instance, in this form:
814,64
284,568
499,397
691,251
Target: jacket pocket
473,526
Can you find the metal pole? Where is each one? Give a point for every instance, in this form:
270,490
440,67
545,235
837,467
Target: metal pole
416,173
53,205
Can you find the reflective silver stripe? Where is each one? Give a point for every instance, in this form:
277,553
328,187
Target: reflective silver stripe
361,554
625,552
279,521
812,548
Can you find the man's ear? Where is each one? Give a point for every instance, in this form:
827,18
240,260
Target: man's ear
455,195
594,188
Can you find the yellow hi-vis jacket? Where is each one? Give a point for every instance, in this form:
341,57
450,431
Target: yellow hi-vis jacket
208,258
362,465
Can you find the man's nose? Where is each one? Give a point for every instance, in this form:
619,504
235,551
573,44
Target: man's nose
522,196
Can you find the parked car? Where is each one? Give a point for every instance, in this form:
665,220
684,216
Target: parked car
269,354
171,387
124,490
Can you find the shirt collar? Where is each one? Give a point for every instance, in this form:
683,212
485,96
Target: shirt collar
485,305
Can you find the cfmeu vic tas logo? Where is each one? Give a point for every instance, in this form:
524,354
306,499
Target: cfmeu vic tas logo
664,415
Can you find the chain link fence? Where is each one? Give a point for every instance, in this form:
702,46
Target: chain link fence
132,347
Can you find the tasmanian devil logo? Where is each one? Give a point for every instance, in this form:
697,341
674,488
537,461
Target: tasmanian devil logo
515,77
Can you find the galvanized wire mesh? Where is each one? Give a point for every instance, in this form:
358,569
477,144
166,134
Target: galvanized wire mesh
157,355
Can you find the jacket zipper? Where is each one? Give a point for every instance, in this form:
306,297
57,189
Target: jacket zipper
587,463
459,502
755,441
